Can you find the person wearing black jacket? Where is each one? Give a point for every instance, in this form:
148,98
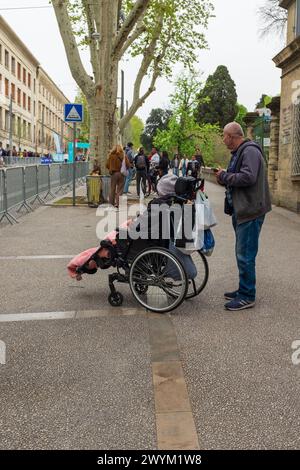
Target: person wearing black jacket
164,163
2,151
193,167
199,157
141,164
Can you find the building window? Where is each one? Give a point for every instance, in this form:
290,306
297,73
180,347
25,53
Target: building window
19,127
24,100
6,87
29,131
0,53
24,76
29,80
29,103
13,65
296,142
24,130
1,118
6,60
34,108
13,125
19,96
1,84
19,71
6,120
13,92
34,85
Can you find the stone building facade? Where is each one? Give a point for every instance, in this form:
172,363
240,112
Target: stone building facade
284,159
36,102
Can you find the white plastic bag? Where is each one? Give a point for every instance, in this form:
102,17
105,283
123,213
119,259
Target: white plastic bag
204,220
188,237
204,211
124,169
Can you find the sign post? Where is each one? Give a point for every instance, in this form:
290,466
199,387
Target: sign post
74,163
74,113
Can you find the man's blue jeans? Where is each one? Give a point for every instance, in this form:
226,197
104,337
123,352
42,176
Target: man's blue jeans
128,180
246,248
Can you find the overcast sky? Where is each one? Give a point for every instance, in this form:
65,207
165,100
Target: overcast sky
233,38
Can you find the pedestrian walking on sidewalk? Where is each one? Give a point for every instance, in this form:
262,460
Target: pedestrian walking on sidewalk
141,164
247,200
114,164
129,152
164,163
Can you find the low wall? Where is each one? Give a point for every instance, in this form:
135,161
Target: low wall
209,175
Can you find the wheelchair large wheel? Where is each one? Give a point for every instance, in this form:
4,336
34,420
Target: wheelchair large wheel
195,286
157,280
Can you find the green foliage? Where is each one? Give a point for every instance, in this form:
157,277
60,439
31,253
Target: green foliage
221,154
137,127
183,133
264,101
183,22
157,120
132,132
181,31
217,100
84,134
242,111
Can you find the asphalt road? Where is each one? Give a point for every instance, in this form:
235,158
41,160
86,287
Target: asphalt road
85,381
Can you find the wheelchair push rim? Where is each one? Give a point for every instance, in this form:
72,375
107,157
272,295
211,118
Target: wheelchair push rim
158,280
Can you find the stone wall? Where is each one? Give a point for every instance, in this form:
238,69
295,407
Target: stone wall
285,187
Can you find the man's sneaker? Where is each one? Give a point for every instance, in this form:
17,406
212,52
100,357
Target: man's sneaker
239,304
231,295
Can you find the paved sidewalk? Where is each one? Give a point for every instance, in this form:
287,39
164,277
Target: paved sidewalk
80,374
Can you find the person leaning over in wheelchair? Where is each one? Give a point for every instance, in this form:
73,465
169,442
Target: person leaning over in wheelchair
90,260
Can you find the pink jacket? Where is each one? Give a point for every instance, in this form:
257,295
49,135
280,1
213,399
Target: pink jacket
83,257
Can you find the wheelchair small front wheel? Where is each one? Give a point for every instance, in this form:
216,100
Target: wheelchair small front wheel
115,299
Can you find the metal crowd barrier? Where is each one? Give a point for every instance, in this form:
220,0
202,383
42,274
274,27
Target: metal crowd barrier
21,186
21,161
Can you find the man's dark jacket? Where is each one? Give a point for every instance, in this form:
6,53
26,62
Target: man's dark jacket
248,183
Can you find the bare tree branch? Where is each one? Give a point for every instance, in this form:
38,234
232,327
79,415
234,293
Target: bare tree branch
78,72
273,18
140,29
88,9
139,101
148,59
134,16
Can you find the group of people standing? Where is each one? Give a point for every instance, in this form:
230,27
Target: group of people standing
186,166
146,167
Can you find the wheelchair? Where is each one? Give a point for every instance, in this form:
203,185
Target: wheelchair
157,277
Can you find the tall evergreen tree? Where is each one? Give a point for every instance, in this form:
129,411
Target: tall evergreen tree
217,102
157,120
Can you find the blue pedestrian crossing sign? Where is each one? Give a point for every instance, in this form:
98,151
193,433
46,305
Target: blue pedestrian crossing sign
73,112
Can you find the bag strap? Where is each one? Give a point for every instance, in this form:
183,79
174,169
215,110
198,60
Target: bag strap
245,145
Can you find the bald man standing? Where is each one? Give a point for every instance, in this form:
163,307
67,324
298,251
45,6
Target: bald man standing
247,200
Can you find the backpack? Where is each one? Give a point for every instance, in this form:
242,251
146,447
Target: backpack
140,162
